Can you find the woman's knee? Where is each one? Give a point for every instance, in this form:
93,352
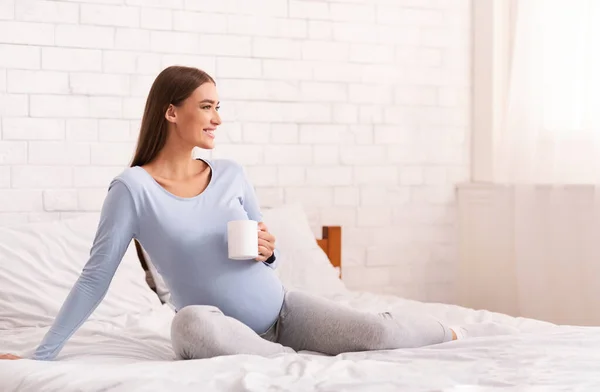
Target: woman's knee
194,332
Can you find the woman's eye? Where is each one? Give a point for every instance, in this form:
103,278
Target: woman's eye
217,108
206,107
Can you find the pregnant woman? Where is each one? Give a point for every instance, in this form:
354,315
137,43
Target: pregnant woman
178,208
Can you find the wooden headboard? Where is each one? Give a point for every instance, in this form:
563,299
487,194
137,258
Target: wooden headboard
330,242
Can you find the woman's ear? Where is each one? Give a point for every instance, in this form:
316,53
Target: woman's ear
171,114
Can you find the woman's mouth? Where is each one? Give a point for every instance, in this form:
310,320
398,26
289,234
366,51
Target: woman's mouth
210,132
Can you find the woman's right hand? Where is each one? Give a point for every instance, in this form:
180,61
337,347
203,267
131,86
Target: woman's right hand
9,356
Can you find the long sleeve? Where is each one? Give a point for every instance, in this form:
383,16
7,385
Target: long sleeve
252,207
116,229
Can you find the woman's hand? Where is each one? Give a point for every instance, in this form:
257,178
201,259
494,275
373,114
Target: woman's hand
266,243
9,356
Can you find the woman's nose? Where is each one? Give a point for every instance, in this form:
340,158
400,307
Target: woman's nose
216,119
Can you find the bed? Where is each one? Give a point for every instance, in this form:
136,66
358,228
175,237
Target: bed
124,346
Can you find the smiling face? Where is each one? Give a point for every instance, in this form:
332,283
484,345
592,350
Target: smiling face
196,119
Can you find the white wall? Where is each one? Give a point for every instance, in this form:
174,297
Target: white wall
358,109
530,251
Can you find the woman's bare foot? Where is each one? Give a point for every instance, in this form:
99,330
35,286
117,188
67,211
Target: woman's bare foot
482,329
9,356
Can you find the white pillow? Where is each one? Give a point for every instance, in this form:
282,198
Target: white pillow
302,263
40,262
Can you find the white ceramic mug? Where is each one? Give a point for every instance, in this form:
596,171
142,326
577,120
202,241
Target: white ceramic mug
242,239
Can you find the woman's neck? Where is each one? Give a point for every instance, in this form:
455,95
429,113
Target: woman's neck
175,163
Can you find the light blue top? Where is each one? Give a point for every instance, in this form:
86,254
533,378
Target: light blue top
186,238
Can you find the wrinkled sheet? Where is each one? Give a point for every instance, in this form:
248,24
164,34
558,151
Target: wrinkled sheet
136,355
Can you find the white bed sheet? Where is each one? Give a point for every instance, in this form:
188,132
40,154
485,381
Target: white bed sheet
135,355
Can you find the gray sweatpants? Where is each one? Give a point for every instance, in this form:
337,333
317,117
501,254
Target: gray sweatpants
306,322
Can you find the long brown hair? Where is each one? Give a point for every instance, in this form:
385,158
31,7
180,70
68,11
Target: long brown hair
172,86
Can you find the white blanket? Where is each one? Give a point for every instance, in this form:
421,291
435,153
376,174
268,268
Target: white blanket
135,355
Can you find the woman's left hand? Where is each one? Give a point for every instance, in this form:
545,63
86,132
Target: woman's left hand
9,356
266,243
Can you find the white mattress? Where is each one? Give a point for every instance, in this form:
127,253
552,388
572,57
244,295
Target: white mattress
136,355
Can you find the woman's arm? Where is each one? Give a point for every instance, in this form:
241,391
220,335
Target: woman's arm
252,207
116,229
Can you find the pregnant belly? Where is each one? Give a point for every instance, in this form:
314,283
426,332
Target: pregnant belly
252,295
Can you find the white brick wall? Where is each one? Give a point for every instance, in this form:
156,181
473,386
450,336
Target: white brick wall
359,109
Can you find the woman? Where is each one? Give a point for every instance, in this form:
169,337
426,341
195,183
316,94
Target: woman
178,209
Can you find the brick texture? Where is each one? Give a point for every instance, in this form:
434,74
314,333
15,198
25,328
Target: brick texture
359,109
